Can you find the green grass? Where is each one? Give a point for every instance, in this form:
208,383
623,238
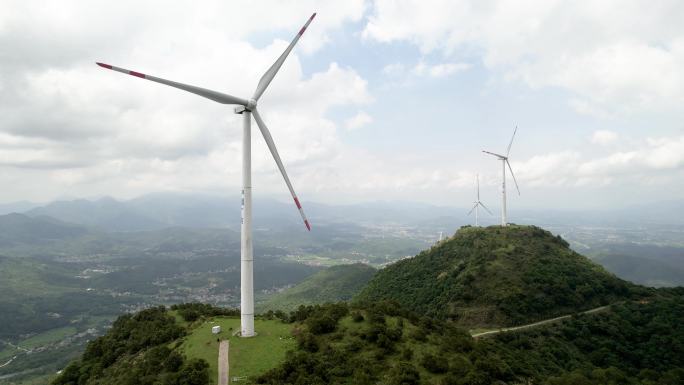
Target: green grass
248,356
179,319
7,353
334,284
27,277
48,337
34,380
99,320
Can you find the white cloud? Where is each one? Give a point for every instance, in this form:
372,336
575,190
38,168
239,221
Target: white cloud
422,68
393,69
548,169
78,128
637,165
439,70
604,137
357,121
617,58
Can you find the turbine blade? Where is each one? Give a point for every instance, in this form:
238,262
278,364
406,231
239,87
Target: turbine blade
508,151
274,151
485,207
471,210
478,187
495,154
513,175
209,94
271,73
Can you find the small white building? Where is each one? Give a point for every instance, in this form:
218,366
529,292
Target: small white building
215,329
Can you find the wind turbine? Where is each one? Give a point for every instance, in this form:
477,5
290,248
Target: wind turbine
477,203
504,162
247,108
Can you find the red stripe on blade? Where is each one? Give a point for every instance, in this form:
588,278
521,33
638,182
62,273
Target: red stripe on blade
138,74
103,65
297,203
301,31
308,226
312,16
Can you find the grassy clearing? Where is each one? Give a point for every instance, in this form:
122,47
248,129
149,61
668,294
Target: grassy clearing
7,353
99,321
334,284
39,380
27,277
48,337
179,319
248,356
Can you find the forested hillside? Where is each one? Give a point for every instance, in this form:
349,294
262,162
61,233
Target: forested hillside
635,342
497,276
334,284
140,349
632,343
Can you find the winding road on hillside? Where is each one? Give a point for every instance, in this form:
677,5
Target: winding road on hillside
223,363
538,323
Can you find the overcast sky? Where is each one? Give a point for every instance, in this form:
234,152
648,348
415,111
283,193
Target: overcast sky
380,100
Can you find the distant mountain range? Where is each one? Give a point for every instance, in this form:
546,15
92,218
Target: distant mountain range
16,229
146,213
159,210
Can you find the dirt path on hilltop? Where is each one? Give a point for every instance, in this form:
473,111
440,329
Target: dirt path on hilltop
538,323
223,378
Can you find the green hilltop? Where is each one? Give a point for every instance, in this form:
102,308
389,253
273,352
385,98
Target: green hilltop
334,284
496,276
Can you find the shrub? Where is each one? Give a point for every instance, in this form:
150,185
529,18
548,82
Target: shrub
321,324
357,316
434,364
403,374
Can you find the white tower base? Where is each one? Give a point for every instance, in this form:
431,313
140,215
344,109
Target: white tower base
246,256
503,193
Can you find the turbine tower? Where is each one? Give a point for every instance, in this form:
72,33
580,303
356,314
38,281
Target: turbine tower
477,204
504,162
247,108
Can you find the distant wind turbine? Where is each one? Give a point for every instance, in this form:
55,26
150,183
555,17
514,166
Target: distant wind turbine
504,162
247,108
477,203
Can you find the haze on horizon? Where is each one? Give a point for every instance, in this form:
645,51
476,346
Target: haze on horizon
384,100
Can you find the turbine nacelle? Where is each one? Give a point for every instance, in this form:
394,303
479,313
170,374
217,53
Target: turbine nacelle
247,107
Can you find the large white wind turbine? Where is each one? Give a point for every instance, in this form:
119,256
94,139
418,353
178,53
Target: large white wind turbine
504,162
477,203
246,107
